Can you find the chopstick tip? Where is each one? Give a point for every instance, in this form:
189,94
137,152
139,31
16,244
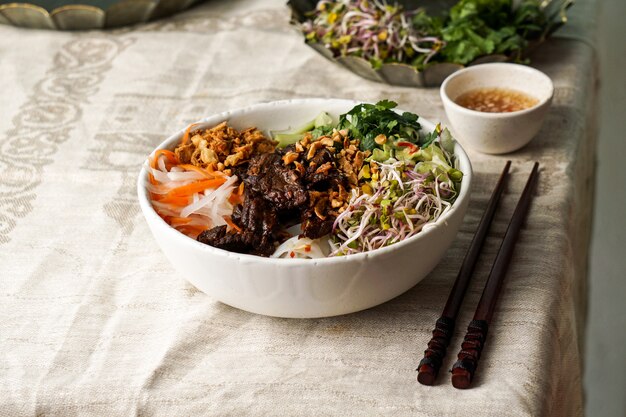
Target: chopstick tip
461,378
426,375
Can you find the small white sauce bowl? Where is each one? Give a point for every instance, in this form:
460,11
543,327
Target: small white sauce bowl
496,133
304,288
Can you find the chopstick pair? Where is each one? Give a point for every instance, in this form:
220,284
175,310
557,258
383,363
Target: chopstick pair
465,367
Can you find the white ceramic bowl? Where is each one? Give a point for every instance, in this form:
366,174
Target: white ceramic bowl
497,133
304,288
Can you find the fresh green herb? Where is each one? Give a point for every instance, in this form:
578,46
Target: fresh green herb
429,138
383,32
482,27
368,121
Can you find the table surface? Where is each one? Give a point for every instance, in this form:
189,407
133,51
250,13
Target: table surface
94,320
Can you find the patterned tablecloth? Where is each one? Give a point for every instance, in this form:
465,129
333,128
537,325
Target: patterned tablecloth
93,319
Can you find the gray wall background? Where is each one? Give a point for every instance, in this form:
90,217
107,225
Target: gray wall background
605,353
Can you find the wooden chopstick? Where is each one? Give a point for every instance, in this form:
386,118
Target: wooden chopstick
473,343
429,366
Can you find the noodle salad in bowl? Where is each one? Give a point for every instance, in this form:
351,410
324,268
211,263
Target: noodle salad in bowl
348,210
368,181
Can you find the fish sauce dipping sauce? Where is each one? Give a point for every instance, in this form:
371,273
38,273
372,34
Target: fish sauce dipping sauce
496,108
496,100
303,288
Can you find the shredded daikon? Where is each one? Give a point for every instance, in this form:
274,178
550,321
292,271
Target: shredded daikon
213,198
204,209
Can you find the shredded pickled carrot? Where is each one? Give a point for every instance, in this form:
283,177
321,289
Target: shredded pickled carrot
176,199
186,136
235,199
169,155
196,187
180,201
237,196
199,170
230,223
179,221
191,231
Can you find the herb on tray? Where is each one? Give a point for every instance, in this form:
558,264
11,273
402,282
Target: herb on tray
482,27
382,32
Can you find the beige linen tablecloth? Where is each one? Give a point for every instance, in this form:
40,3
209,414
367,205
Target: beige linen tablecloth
93,319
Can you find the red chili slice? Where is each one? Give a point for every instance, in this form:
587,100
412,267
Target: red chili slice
412,148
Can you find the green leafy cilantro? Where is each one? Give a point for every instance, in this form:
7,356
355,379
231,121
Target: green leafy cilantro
461,34
367,121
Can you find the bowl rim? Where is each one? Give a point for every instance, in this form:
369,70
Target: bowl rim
151,216
506,66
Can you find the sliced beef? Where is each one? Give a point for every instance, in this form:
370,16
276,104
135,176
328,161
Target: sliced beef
241,171
258,222
287,149
313,227
218,237
327,181
278,195
276,183
259,225
321,157
237,212
322,173
318,167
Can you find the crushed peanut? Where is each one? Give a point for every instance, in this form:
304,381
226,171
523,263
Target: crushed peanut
326,141
324,168
380,139
315,146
